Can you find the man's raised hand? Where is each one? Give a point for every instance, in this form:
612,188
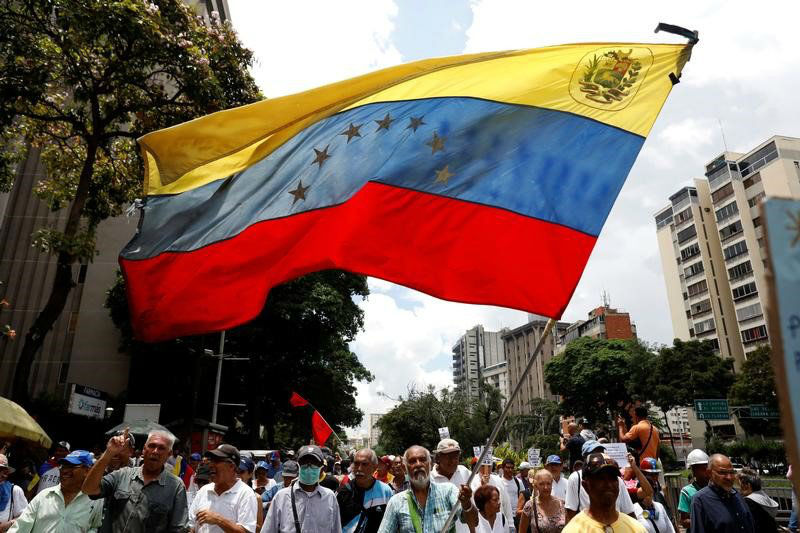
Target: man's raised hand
117,443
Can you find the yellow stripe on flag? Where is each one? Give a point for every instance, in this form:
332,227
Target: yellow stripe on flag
620,84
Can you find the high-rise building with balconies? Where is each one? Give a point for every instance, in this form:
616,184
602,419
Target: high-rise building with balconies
477,355
712,246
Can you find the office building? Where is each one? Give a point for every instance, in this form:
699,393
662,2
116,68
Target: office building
711,241
373,431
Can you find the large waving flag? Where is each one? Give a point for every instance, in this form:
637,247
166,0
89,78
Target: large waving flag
483,178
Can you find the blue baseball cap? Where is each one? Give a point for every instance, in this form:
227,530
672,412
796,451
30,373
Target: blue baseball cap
589,446
553,460
262,464
79,458
196,457
246,464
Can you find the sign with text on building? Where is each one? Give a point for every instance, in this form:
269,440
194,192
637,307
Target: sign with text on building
87,401
782,231
712,409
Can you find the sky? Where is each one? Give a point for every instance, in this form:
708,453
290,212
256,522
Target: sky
739,89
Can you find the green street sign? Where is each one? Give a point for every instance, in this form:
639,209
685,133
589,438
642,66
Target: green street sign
762,411
711,409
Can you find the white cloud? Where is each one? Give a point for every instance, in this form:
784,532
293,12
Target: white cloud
300,45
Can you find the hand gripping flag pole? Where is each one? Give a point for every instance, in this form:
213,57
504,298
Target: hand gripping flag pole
693,38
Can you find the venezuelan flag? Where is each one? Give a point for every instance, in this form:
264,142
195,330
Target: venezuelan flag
482,178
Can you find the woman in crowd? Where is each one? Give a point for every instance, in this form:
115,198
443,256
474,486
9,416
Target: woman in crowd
762,507
542,513
490,519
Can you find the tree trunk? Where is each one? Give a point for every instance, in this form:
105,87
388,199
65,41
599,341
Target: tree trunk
671,436
62,284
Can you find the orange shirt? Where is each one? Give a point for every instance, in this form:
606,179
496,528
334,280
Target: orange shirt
642,432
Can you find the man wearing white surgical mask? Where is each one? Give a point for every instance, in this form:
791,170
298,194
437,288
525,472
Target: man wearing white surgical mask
304,505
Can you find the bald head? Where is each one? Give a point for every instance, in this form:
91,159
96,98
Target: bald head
722,473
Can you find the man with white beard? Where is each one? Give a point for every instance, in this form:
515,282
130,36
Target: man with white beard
425,506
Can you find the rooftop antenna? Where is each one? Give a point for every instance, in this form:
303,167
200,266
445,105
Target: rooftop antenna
722,130
606,299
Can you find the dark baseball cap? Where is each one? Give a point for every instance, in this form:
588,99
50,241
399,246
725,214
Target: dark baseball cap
310,450
63,444
597,463
225,452
290,469
203,472
78,458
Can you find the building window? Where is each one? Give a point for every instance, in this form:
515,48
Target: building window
729,231
704,326
756,222
722,193
693,269
697,288
739,271
745,291
735,250
686,234
752,180
749,311
754,334
683,216
701,308
752,202
727,211
758,159
690,251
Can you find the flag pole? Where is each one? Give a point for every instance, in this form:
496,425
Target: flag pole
341,442
551,322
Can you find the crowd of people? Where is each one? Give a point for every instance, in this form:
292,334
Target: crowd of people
314,490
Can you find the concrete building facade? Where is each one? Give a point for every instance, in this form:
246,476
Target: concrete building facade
711,241
519,344
603,322
373,431
477,355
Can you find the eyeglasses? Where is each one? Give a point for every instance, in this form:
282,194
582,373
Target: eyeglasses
725,472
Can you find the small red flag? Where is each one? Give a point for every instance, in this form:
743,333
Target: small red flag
297,401
322,431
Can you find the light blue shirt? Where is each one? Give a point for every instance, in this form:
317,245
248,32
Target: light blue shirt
441,499
46,513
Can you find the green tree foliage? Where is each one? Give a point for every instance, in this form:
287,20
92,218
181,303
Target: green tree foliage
417,418
755,384
299,343
596,377
80,80
687,371
542,417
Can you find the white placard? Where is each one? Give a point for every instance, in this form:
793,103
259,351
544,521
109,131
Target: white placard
619,452
489,455
535,456
444,433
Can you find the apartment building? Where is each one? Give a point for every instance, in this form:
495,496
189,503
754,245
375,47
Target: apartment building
603,322
711,242
477,355
519,344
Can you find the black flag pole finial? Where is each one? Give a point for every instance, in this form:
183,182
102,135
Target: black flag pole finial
692,35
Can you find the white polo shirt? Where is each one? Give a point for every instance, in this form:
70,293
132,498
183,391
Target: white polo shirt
559,488
239,504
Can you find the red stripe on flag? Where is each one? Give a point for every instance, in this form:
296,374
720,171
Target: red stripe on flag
321,430
297,401
452,249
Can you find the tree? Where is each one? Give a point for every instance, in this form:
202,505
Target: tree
687,371
299,342
755,384
80,80
542,418
597,377
417,418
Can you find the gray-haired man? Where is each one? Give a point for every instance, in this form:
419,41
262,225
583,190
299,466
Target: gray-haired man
145,498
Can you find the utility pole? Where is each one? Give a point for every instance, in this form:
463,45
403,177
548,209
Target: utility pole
220,357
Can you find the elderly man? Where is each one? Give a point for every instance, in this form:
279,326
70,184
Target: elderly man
304,505
426,506
12,497
601,481
146,498
362,500
399,479
227,504
719,508
63,508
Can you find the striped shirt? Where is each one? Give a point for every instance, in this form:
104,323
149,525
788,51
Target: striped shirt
441,499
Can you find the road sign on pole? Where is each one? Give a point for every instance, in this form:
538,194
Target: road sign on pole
762,411
712,409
